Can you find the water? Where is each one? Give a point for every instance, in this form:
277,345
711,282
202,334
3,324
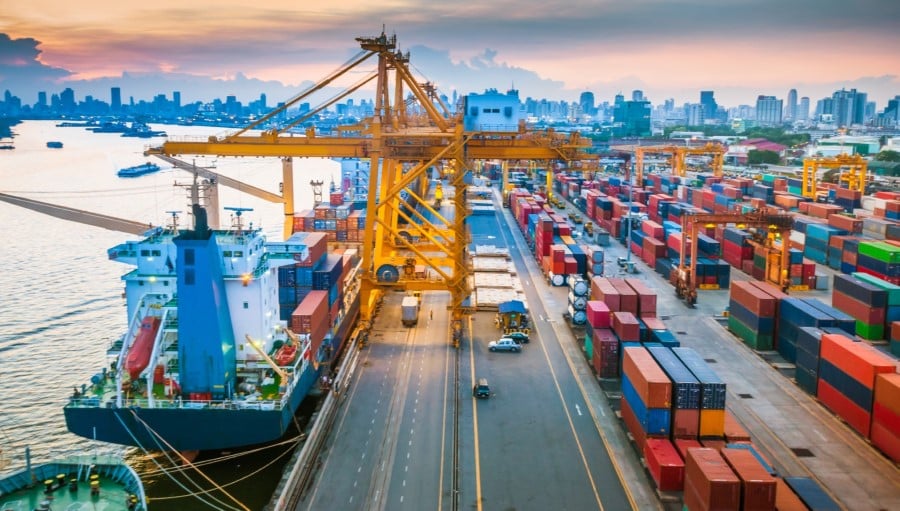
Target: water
61,299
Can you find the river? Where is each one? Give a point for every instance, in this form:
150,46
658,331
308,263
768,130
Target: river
61,301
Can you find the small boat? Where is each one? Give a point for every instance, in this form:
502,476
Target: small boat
54,144
286,354
139,354
75,482
138,170
6,143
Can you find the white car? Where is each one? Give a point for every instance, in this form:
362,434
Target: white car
505,344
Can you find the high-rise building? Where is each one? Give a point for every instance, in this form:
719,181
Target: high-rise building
176,99
587,102
710,108
768,111
696,114
42,100
67,100
849,107
803,109
637,95
115,99
634,116
790,112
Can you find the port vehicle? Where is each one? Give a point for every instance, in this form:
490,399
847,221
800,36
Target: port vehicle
202,364
505,344
409,310
138,170
481,389
519,337
73,482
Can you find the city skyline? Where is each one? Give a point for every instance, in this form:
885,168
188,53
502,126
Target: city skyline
544,49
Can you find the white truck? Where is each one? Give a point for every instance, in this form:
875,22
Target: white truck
409,310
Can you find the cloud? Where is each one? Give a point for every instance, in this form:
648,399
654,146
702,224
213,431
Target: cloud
20,69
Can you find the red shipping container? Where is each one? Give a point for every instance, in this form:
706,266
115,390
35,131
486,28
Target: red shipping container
856,417
769,289
664,464
650,383
887,417
786,499
653,323
598,314
632,425
685,423
309,316
709,482
646,297
753,299
856,359
602,289
626,326
683,444
886,439
895,330
605,354
629,299
857,309
757,485
852,225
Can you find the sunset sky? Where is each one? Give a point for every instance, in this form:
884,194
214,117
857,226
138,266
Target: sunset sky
553,49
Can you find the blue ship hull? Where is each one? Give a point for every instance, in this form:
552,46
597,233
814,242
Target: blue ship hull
211,428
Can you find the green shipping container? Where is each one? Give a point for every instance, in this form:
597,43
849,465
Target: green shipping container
870,332
755,340
589,347
893,291
881,251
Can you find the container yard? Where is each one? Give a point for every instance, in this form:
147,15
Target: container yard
826,320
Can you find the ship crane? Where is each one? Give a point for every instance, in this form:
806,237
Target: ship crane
256,346
402,144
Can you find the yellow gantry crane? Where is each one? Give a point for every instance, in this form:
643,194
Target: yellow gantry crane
853,171
677,158
411,131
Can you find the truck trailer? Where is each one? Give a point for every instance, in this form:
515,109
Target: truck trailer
409,309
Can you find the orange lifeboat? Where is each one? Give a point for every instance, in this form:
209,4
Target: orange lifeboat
286,354
139,354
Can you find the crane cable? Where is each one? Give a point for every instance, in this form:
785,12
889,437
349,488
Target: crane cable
220,459
157,438
176,481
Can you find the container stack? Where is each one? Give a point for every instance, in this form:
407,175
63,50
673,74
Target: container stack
885,433
806,373
752,314
601,344
685,393
646,396
794,313
881,259
712,393
817,238
646,298
306,319
709,482
892,308
863,301
295,281
735,247
847,373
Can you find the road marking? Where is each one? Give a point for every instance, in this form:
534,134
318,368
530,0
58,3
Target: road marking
577,408
354,483
351,499
404,485
410,431
475,427
406,468
401,498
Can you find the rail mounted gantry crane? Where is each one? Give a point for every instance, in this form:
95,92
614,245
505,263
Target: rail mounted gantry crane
411,131
853,172
678,156
684,277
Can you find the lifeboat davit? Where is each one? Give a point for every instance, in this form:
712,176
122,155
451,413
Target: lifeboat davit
139,354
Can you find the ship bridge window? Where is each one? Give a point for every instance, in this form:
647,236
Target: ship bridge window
189,257
226,253
145,253
246,305
238,253
157,253
189,277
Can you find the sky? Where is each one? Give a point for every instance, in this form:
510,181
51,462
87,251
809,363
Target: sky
552,49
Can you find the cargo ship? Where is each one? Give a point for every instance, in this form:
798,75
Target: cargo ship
227,334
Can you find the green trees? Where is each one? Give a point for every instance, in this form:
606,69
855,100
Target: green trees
757,157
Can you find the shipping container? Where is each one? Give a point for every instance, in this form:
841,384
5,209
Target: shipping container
709,482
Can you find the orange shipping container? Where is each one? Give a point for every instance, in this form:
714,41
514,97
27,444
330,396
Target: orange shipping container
647,378
734,431
709,482
786,499
856,359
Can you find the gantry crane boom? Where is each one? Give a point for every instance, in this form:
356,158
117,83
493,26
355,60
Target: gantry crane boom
677,158
403,141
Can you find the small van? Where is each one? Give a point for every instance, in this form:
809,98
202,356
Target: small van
481,389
